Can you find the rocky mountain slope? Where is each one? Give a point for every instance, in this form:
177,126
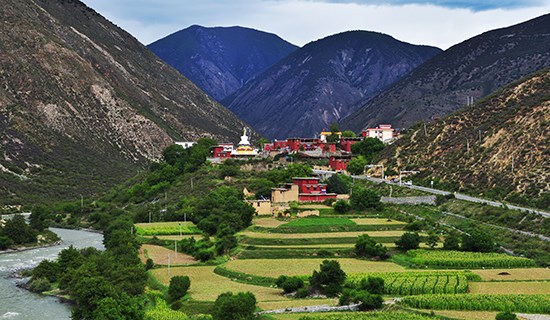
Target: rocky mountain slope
221,60
497,147
473,68
323,82
83,104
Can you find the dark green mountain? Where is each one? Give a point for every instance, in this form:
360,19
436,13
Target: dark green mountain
221,60
84,105
323,82
473,68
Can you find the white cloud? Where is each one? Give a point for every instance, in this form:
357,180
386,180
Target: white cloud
302,21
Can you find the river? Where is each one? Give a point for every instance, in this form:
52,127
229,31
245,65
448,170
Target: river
19,304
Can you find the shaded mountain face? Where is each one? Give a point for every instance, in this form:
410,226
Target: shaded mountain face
473,68
323,82
221,60
83,104
497,147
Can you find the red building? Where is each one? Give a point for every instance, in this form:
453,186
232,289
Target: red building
309,190
339,163
346,143
223,150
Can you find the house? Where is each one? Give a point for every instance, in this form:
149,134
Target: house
262,207
346,143
285,193
383,132
310,190
222,150
339,163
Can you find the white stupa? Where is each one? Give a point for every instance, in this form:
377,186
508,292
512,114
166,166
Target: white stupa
244,149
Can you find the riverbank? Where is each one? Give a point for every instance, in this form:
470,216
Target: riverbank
38,246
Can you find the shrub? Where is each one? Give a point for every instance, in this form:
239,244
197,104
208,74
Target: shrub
329,279
367,300
40,285
365,246
292,284
452,242
149,264
342,206
506,315
178,287
301,293
363,198
373,285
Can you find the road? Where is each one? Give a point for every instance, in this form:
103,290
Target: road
442,192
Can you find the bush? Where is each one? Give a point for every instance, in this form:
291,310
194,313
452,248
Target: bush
506,315
342,206
292,284
363,198
365,246
178,287
408,241
367,300
240,306
477,241
452,242
149,264
5,243
40,285
373,285
301,293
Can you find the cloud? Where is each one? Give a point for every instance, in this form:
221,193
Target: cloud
440,23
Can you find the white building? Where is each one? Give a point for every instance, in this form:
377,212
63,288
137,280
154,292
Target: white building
383,132
186,144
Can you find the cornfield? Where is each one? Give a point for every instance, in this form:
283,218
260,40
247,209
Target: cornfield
466,260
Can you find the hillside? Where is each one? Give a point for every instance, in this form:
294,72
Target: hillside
84,105
220,60
473,68
497,148
323,82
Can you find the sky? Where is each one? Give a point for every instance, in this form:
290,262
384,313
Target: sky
440,23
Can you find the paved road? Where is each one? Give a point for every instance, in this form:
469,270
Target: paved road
442,192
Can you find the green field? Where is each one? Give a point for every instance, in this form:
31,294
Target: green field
466,260
166,228
318,221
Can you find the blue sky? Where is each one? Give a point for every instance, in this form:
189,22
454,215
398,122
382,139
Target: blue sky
440,23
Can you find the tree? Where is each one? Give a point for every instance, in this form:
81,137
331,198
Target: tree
260,143
5,243
289,284
363,198
432,239
342,206
367,148
357,165
408,241
178,287
329,279
452,242
506,315
229,306
19,231
373,285
348,134
477,241
261,188
174,154
365,246
366,300
337,183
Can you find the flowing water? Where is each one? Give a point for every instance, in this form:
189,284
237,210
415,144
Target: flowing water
19,304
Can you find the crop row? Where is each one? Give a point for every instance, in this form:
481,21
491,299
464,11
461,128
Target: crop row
535,303
380,315
470,260
161,311
414,283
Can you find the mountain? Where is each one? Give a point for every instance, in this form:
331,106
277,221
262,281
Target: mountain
323,82
84,105
473,68
220,60
498,147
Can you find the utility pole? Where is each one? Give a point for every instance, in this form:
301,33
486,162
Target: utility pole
467,145
149,216
512,164
176,247
425,131
191,183
168,265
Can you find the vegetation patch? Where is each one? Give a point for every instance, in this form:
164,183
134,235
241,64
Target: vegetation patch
465,260
533,303
166,228
377,315
514,274
516,287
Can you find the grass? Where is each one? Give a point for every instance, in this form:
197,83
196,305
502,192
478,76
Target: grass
517,287
353,234
274,305
160,255
514,274
465,315
294,267
166,228
310,241
462,259
317,221
377,221
176,237
207,286
267,222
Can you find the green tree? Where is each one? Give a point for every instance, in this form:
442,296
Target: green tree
178,287
477,241
19,231
289,284
261,188
432,239
408,241
229,306
367,148
47,270
338,183
348,134
357,165
365,246
452,242
329,279
342,206
5,242
260,143
363,198
174,154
